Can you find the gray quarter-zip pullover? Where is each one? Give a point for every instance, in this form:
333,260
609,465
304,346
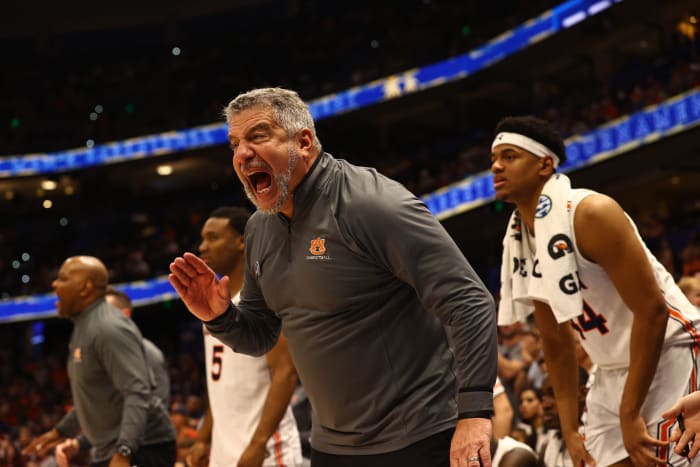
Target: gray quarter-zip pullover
365,282
111,385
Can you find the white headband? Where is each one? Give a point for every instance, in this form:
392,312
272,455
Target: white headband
528,144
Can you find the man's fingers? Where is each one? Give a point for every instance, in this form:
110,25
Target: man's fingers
676,435
683,440
196,263
177,285
655,442
485,454
586,460
674,411
181,267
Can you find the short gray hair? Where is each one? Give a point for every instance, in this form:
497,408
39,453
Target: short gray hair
288,110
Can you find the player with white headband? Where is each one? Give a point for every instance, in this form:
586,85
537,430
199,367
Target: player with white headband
575,259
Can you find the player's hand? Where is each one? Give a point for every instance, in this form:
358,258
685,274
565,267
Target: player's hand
639,443
198,455
65,451
43,444
577,450
253,456
689,406
204,295
471,439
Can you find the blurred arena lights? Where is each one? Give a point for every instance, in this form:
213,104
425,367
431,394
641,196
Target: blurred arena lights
49,184
164,170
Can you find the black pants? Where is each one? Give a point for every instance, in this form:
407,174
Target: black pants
430,452
153,455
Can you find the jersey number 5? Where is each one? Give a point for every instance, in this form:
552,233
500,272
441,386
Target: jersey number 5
216,362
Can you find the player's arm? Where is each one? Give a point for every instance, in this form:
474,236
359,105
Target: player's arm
560,356
502,415
606,236
283,380
205,429
198,455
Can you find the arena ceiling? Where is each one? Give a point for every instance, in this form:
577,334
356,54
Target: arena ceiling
22,20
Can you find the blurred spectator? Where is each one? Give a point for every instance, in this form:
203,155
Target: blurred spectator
690,285
690,257
532,423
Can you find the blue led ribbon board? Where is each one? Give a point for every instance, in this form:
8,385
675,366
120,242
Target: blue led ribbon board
418,79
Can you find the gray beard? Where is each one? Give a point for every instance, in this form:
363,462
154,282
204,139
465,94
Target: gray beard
282,182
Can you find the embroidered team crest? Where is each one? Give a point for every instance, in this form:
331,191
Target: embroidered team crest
318,246
76,355
544,205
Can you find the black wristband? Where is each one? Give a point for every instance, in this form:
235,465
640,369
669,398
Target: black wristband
476,414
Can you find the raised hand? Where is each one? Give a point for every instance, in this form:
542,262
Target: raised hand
65,451
43,444
204,295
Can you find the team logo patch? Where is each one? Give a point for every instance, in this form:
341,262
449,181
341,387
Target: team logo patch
76,355
559,245
544,205
318,246
318,250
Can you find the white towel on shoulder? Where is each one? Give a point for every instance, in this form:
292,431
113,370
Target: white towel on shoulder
549,274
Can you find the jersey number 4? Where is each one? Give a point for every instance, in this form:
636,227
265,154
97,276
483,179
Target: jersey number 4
589,320
216,362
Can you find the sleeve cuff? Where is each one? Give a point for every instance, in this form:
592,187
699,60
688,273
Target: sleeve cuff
475,401
476,414
223,319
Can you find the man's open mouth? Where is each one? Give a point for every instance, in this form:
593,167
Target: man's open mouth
260,181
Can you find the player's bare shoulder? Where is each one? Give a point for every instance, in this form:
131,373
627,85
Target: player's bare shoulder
600,226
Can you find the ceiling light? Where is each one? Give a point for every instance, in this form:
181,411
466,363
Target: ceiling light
164,169
48,185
